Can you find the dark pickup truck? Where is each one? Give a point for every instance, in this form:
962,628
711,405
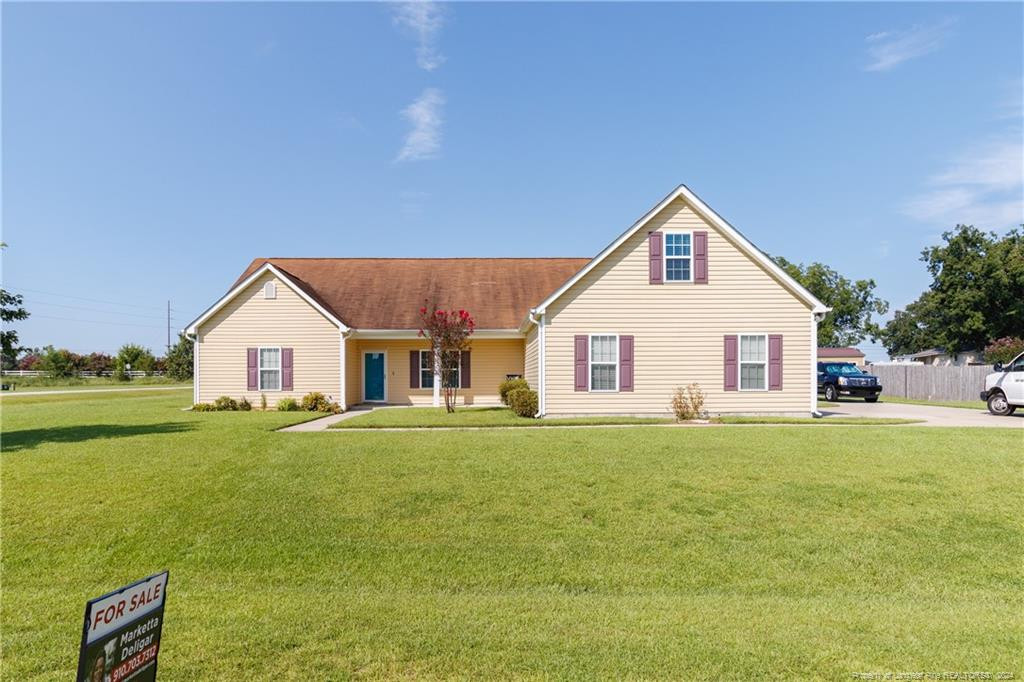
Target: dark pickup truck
845,378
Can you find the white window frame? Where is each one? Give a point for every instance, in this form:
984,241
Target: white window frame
270,291
590,364
259,368
665,257
430,354
740,362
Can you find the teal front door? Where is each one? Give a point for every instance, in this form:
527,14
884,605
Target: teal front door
373,376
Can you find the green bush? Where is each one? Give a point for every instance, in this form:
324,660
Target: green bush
523,401
244,405
287,405
204,407
225,404
509,385
318,402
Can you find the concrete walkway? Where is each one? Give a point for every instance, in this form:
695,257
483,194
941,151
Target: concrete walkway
66,391
932,415
324,422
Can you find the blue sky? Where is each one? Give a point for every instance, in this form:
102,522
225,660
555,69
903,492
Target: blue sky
150,151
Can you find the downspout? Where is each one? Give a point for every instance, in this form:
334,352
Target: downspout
342,396
541,373
815,319
195,365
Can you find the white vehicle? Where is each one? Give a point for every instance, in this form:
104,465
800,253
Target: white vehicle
1004,387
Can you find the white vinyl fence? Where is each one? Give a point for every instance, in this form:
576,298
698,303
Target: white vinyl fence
925,382
84,375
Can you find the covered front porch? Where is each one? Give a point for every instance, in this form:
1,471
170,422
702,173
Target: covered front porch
395,369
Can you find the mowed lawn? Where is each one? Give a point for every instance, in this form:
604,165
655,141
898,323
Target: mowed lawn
646,552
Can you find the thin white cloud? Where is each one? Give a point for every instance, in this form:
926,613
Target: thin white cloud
889,49
424,20
426,116
983,186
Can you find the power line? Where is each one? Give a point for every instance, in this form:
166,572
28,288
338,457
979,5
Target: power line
91,300
96,310
119,324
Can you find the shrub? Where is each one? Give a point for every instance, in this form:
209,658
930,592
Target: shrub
688,403
508,385
179,361
203,407
523,401
318,402
244,405
1003,350
287,405
225,404
140,359
58,363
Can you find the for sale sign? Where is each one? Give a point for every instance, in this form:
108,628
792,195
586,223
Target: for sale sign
121,636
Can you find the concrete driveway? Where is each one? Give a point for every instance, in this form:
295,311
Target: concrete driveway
932,415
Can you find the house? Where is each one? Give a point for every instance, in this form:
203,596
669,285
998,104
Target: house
679,297
833,354
937,357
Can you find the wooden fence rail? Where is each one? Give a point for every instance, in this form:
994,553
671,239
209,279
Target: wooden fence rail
84,375
924,382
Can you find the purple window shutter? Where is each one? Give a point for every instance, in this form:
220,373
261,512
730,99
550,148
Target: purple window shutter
287,372
464,370
700,257
775,362
731,363
414,369
625,363
654,256
580,363
252,369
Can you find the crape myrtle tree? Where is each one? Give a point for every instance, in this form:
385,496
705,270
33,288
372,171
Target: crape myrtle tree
448,332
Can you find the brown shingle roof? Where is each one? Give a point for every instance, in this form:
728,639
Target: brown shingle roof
840,352
387,293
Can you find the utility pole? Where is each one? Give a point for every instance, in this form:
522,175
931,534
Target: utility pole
168,326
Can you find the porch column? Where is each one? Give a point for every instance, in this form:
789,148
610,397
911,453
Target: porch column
437,380
341,350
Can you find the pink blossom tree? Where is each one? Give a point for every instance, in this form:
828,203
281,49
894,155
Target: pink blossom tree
448,332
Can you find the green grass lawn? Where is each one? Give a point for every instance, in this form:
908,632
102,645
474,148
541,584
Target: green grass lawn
481,417
717,553
966,404
433,417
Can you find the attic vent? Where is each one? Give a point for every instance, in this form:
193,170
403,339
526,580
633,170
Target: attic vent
269,290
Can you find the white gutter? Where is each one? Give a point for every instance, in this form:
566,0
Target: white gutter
195,365
816,317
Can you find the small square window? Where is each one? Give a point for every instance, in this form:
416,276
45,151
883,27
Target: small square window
677,257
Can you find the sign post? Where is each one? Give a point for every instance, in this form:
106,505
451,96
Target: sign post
121,634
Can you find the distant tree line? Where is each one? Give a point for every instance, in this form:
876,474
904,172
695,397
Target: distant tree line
63,363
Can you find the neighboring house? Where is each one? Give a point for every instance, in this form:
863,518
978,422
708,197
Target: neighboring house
841,355
680,297
940,358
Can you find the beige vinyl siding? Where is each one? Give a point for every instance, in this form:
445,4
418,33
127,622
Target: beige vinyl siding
678,328
250,321
490,361
532,360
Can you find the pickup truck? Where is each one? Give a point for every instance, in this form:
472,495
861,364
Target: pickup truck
1004,387
845,378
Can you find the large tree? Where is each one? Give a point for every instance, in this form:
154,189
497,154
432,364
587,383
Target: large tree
179,359
853,303
11,310
976,294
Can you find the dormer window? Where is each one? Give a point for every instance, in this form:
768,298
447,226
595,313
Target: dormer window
270,290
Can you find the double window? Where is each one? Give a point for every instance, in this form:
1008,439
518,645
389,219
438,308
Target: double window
453,369
753,362
678,257
604,362
270,369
